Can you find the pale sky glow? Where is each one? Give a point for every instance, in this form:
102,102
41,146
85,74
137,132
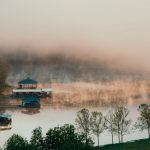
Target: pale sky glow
121,27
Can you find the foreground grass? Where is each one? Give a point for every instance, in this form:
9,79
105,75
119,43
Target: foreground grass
135,145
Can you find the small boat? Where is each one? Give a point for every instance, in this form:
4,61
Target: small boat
4,128
5,120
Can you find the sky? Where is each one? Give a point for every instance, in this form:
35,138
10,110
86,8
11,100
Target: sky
117,29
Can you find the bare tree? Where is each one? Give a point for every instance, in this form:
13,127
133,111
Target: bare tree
143,122
109,119
83,122
97,124
121,122
3,70
4,67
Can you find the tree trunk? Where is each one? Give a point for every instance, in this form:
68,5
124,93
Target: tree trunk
86,139
112,135
149,132
98,140
122,127
121,138
118,137
118,132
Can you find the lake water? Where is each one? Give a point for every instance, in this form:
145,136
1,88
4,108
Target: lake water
25,120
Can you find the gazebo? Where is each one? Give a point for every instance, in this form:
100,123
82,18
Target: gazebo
27,84
29,87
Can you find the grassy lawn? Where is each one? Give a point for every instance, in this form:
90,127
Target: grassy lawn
136,145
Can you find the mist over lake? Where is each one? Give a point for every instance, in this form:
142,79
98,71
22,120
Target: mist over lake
77,69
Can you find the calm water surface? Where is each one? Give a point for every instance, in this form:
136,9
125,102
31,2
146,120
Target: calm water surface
25,120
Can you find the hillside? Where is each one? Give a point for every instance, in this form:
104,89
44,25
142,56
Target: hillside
136,145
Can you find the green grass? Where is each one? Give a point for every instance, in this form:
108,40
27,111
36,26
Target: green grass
135,145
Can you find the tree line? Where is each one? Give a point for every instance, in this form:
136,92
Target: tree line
66,137
116,122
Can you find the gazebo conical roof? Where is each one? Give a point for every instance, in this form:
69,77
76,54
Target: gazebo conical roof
27,81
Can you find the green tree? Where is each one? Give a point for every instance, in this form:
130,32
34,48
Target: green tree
64,138
16,142
143,121
84,123
37,140
97,124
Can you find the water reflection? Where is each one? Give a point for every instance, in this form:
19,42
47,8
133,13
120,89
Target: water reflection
30,111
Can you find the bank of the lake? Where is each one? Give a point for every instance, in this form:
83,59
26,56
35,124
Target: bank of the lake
24,121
